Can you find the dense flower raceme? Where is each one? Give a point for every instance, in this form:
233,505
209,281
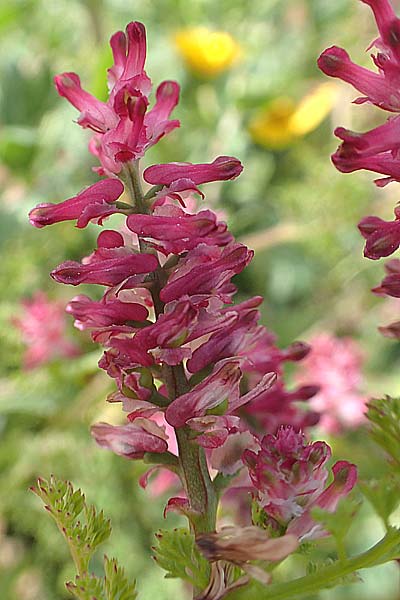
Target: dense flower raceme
43,328
376,150
190,366
191,256
290,475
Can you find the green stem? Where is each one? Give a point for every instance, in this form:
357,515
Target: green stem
81,563
195,475
326,576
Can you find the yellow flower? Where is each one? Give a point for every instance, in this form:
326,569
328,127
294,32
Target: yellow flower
207,53
282,121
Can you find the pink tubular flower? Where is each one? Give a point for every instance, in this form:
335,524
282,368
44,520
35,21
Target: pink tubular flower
376,88
95,115
96,202
132,440
390,285
383,237
334,364
376,150
289,476
90,314
207,269
110,264
179,231
43,329
218,394
221,169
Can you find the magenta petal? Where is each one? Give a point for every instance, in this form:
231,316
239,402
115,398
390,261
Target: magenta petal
104,272
216,389
132,440
177,504
94,201
336,62
89,313
221,169
94,114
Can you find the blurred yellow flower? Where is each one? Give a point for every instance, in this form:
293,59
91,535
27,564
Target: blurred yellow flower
207,53
282,121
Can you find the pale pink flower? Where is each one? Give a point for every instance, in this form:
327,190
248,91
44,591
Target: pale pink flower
334,364
290,475
43,328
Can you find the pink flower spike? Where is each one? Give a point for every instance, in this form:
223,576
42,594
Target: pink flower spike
132,440
109,271
95,202
95,115
288,473
221,169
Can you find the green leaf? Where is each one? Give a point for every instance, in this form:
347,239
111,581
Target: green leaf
384,415
339,522
87,587
384,495
113,586
178,554
84,529
116,584
66,505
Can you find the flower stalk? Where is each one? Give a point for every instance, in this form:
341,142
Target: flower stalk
192,460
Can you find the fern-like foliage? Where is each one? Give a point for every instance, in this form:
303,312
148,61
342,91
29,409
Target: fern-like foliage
384,416
84,529
176,552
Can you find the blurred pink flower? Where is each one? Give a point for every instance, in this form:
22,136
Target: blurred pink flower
334,364
43,328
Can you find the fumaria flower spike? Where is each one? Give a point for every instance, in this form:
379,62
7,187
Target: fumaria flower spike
198,378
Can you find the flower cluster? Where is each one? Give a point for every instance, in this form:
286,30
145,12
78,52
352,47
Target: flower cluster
290,478
378,149
43,329
335,365
193,371
168,285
